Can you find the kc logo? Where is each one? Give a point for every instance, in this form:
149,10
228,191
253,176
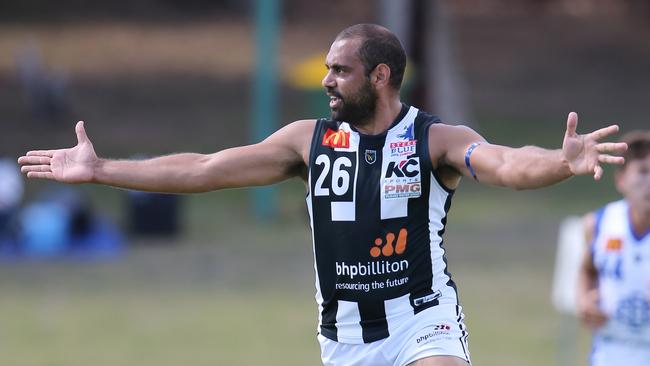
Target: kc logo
389,249
406,168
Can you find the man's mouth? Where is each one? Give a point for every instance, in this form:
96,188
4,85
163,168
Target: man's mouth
335,98
335,102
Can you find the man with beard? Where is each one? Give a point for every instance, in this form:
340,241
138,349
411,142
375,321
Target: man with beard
614,280
380,176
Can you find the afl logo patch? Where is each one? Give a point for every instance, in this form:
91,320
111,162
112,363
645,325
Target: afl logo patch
371,156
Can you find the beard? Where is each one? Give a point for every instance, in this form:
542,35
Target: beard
358,108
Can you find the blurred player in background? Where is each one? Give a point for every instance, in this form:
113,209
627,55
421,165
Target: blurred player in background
11,194
380,176
614,280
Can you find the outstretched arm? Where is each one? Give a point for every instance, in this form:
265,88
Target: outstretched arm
530,166
279,157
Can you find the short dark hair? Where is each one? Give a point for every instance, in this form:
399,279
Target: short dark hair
638,145
378,46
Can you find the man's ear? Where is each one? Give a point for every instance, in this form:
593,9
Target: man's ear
380,76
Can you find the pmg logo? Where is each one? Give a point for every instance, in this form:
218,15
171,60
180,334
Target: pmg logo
390,247
336,139
408,168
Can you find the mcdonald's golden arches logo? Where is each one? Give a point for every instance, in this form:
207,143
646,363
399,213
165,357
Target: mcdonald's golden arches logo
336,139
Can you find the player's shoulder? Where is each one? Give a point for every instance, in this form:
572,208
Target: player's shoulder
302,124
328,123
298,129
442,132
294,134
441,129
589,221
615,208
427,118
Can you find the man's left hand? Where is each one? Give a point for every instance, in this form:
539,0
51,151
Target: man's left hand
585,154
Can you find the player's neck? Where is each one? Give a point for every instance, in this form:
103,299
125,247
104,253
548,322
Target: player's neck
387,111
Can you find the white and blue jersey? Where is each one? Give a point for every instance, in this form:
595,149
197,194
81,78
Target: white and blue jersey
622,259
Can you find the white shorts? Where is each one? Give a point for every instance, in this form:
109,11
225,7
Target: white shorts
610,352
437,331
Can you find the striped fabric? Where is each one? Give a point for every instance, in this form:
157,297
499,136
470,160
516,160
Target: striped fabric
378,213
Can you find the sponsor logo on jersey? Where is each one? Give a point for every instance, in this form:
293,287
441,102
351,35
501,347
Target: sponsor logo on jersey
336,139
426,299
383,248
402,148
371,156
375,268
402,190
614,245
406,147
406,168
388,249
408,133
634,311
434,333
442,327
402,179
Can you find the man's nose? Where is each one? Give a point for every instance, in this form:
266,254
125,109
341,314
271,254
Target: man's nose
328,80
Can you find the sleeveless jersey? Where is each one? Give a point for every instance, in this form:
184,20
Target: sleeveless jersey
378,213
623,263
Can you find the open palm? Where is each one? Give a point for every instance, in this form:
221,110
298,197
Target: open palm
585,153
73,165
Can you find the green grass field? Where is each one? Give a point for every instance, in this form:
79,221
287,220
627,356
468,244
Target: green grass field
235,292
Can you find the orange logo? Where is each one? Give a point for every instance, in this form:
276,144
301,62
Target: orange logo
388,249
336,139
614,245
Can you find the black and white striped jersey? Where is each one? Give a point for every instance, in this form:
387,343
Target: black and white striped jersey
378,213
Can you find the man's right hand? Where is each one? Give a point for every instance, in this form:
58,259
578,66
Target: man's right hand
73,165
589,312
